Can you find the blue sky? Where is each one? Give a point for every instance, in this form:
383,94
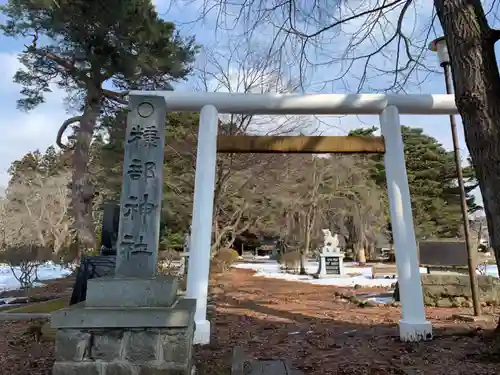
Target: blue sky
36,130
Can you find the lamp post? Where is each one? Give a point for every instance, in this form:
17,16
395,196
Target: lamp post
439,45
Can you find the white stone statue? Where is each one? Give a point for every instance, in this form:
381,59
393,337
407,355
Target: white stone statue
331,259
330,242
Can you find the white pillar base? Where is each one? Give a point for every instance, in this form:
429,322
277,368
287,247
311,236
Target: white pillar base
415,331
202,333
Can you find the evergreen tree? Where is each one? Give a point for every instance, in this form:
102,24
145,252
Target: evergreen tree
432,180
83,45
50,163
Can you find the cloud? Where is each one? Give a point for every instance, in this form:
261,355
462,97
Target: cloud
10,64
24,132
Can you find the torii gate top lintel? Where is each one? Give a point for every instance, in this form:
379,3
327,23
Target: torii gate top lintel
306,104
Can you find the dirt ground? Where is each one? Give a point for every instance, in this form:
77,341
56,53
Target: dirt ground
322,334
317,331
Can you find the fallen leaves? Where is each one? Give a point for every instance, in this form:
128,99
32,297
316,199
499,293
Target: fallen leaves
309,325
323,334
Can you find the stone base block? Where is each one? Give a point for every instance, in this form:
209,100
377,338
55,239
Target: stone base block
124,351
327,276
415,331
202,333
81,316
124,340
131,292
113,368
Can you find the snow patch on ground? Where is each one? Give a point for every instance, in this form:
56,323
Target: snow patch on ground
47,271
353,275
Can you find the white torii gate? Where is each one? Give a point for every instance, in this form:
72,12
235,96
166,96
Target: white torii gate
413,325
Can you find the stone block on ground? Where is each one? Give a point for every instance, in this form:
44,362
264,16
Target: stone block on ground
242,365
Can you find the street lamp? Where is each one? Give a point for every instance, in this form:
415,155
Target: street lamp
439,45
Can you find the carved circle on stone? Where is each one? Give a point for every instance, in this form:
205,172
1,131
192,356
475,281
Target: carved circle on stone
145,109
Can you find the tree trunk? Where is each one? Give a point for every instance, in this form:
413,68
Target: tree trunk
307,244
82,188
371,251
479,237
360,254
477,93
303,262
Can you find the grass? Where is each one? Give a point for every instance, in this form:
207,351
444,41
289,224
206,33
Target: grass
41,307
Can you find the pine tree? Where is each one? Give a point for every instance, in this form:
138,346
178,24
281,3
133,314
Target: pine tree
432,181
82,46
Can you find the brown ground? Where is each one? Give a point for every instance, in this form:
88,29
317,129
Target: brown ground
318,332
322,334
19,353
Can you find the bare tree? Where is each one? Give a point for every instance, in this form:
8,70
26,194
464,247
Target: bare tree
334,192
362,218
326,44
246,198
35,223
242,180
334,43
3,222
304,181
361,41
19,247
41,206
239,65
24,260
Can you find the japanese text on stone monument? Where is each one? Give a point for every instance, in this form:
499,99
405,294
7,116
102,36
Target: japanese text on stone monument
142,187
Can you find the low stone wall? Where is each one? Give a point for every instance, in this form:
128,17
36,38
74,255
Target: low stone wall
454,290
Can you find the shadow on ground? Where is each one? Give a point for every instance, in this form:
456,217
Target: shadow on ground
320,335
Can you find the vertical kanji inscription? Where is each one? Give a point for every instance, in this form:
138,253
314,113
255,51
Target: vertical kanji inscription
142,187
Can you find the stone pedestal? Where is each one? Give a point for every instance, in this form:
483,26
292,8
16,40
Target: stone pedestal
127,326
331,264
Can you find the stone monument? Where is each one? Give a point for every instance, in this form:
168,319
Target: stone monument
331,259
133,323
110,227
